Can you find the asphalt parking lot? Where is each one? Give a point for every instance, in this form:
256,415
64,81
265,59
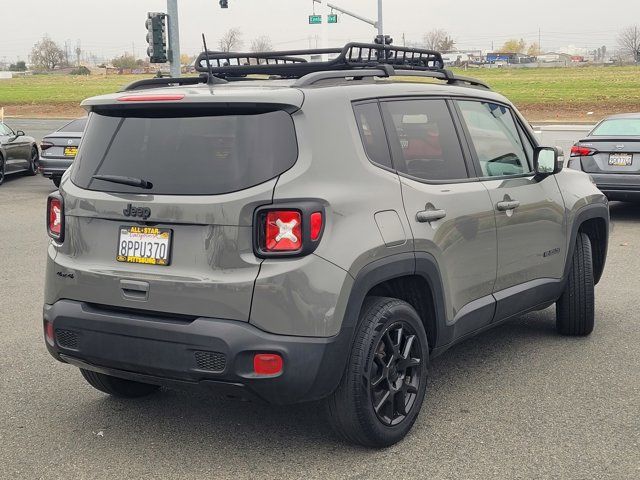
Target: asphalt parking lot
516,402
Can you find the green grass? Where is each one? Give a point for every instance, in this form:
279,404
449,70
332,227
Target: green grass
544,87
558,86
59,89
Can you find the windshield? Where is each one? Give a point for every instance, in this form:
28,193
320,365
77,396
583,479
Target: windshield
187,154
625,127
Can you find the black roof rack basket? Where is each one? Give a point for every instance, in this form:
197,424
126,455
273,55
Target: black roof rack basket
292,64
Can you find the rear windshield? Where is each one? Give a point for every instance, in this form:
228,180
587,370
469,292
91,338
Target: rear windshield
626,127
190,154
75,126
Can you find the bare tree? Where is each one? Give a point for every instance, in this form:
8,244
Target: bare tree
46,54
231,40
436,39
629,42
261,44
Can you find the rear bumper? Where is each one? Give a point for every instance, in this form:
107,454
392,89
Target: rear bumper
205,352
618,186
53,167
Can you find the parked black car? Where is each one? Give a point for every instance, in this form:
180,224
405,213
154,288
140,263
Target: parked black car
59,149
18,152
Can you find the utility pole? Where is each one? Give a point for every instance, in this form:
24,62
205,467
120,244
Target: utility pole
380,25
174,37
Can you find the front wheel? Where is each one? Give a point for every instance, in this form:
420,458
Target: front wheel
575,309
381,392
118,387
2,169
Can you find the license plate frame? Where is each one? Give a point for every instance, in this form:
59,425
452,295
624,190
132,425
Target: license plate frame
134,254
620,159
73,149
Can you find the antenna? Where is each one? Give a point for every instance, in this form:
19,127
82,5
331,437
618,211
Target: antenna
210,79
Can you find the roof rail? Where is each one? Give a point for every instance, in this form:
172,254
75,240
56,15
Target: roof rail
291,64
447,75
168,81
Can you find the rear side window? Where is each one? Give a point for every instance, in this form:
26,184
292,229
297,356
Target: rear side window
618,127
75,126
197,154
424,140
495,139
372,133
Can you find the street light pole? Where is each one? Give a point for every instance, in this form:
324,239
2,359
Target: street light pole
174,37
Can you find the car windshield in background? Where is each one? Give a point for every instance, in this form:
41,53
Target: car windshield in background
75,126
186,155
625,127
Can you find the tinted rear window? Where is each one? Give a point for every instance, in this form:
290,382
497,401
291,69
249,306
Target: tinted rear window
75,126
626,127
186,155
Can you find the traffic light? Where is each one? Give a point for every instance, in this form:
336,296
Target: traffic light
224,4
157,37
383,40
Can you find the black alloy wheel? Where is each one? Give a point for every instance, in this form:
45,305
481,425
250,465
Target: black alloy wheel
34,161
395,373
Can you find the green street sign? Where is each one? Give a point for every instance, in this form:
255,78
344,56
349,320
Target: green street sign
315,19
332,18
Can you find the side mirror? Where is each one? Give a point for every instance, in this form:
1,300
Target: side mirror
20,133
547,160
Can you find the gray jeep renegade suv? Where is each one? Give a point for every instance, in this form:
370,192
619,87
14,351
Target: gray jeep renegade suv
318,233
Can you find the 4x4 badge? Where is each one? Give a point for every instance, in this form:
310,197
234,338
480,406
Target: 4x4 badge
142,212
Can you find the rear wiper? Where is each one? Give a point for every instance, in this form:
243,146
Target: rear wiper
132,181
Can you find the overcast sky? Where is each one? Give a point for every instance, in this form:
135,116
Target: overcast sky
109,28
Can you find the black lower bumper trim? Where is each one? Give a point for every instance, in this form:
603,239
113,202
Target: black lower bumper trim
162,351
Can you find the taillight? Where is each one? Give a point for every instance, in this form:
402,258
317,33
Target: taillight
55,217
283,231
48,332
292,229
267,364
316,225
578,151
45,145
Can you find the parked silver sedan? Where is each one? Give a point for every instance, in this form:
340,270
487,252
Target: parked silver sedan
610,153
59,149
18,152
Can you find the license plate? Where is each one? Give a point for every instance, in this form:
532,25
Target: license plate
70,151
146,245
620,159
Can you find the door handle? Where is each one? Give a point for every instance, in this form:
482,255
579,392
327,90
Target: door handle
430,215
507,205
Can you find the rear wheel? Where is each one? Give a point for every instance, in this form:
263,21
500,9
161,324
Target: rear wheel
56,181
33,162
381,392
575,309
118,387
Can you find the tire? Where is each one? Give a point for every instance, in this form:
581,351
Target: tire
2,175
575,310
33,162
350,409
118,387
56,181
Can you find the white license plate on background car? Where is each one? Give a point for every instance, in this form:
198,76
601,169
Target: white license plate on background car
146,245
620,159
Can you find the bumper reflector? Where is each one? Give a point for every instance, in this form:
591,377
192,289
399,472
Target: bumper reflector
267,364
